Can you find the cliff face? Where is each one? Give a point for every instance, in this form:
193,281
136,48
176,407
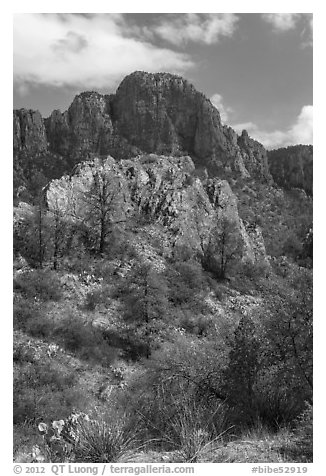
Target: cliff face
153,113
292,167
29,131
163,113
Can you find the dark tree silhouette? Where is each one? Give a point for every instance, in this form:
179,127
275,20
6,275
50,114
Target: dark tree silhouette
223,249
101,202
242,371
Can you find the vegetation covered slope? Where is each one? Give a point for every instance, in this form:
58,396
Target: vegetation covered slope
143,301
162,303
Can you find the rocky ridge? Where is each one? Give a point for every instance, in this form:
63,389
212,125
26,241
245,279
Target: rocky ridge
292,167
152,113
163,189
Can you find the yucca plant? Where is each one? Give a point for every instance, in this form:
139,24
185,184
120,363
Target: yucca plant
195,430
100,442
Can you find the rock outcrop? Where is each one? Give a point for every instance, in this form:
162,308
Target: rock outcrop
29,131
152,113
162,189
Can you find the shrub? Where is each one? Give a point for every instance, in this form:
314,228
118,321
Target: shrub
185,282
104,269
93,298
100,442
182,253
275,408
87,341
300,447
40,326
191,274
254,270
24,310
193,429
40,391
101,294
78,438
200,325
216,288
22,353
179,420
181,390
41,284
304,431
29,318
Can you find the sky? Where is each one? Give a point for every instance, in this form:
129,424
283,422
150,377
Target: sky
255,68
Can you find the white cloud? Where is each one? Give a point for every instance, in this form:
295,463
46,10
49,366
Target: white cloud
289,21
205,28
301,132
225,111
85,51
308,30
282,21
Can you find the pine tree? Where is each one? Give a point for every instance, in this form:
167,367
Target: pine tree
241,374
146,304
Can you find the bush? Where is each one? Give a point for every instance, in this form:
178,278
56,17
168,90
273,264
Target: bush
185,283
104,269
254,270
41,284
182,253
24,311
87,341
275,408
179,420
200,325
193,429
304,431
181,390
93,298
100,442
100,294
80,439
40,391
300,446
28,317
22,353
191,274
216,288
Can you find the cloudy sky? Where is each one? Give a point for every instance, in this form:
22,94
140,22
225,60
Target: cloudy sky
255,68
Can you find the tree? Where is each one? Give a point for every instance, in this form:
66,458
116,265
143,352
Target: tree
101,201
91,200
242,371
32,232
224,247
58,227
289,331
146,304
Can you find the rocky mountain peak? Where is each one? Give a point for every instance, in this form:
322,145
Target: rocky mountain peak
157,113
